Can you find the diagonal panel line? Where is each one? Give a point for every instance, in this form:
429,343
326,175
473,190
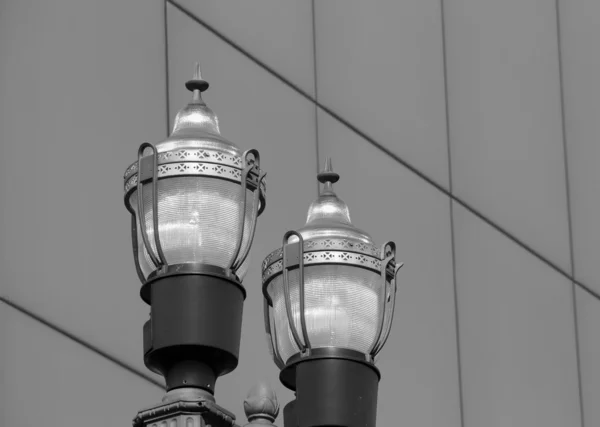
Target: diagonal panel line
383,149
261,64
83,343
526,247
569,214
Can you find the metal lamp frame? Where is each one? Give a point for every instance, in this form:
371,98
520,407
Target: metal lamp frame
294,256
184,162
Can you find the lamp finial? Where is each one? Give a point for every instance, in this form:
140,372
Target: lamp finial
327,177
327,174
197,84
261,405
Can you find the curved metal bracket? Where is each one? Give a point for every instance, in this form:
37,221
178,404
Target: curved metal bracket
134,242
255,204
388,254
293,256
158,259
391,302
272,337
252,159
265,293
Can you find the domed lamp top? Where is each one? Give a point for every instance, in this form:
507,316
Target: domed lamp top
195,146
328,216
197,126
327,231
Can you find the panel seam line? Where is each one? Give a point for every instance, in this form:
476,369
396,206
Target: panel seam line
167,94
569,211
451,205
314,34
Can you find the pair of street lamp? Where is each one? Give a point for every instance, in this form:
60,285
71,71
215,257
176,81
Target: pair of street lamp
329,293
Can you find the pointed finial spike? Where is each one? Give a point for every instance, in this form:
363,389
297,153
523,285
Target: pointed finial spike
327,167
327,174
197,83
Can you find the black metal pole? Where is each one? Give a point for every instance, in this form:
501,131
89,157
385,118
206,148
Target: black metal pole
193,335
334,393
290,418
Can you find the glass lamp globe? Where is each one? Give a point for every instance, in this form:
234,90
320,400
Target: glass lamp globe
208,195
344,299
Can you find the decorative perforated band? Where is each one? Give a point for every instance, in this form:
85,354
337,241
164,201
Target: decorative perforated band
199,169
196,162
327,244
192,155
328,257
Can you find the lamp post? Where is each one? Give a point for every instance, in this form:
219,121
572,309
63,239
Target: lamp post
329,292
329,303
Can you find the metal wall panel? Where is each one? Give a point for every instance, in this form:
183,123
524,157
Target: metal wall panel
380,67
505,118
517,333
588,319
82,86
581,65
49,380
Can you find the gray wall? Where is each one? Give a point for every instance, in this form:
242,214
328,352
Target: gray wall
464,130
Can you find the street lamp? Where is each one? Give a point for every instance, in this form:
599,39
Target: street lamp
194,200
329,292
329,303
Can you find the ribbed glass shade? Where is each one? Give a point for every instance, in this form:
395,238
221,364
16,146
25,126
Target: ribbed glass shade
342,308
198,221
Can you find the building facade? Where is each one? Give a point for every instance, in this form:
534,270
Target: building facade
464,130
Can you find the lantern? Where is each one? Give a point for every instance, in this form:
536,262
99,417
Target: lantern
329,303
194,199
